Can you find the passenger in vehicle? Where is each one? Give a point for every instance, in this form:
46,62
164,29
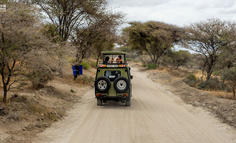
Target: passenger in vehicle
119,59
106,60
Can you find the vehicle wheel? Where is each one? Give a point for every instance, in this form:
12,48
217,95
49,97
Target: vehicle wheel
128,102
102,84
99,102
121,84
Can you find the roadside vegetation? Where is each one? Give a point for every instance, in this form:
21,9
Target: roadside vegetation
209,58
36,51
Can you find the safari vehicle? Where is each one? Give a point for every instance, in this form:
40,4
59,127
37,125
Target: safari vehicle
113,79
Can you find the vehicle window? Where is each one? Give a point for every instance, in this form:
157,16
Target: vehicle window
112,75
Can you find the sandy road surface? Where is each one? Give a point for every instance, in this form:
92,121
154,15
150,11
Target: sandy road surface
155,116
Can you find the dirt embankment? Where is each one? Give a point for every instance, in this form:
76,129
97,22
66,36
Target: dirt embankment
30,112
223,109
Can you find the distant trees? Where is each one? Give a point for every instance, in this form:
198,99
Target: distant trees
179,58
154,38
210,38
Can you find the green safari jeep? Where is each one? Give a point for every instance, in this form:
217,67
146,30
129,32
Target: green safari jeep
113,79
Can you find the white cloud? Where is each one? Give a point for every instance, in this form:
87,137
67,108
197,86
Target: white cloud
178,12
135,3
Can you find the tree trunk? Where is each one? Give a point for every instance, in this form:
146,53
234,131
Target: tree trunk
234,92
5,94
233,88
177,67
156,60
97,60
208,75
60,65
77,57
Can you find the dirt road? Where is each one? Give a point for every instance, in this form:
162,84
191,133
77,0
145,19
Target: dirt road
155,116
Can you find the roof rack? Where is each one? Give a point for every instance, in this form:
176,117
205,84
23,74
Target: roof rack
113,53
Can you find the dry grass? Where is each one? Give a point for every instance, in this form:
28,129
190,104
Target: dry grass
14,116
222,94
182,72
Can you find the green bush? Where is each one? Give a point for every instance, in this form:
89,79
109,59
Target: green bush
21,84
87,80
191,80
152,66
229,75
128,59
144,65
212,84
216,73
136,61
93,64
85,65
72,91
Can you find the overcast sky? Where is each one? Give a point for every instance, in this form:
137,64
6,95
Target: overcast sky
177,12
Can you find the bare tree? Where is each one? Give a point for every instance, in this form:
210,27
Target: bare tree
39,67
66,15
19,35
72,18
209,38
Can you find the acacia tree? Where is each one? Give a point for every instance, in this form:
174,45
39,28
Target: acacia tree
19,35
154,38
97,35
76,20
209,38
67,15
179,58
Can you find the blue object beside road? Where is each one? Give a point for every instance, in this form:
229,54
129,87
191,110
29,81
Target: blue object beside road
77,70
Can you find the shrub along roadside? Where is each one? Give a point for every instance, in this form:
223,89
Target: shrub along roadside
213,84
85,65
191,80
230,76
93,64
152,66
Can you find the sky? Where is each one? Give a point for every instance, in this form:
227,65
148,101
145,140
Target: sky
176,12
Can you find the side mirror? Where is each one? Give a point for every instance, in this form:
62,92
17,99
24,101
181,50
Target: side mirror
131,77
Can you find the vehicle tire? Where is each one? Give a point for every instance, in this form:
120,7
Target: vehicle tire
99,102
121,84
128,102
102,84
